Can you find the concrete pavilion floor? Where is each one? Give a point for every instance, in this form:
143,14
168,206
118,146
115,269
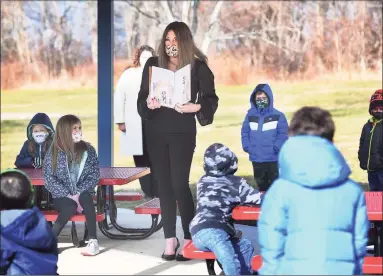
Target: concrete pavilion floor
130,257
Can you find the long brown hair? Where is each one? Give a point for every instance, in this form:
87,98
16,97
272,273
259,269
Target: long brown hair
137,55
187,50
63,141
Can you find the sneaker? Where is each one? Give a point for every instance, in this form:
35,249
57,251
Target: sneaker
92,248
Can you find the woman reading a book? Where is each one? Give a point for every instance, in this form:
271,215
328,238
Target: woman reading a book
171,125
128,120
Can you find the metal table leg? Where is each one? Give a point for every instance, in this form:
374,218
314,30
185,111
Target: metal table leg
112,208
210,267
132,233
378,247
113,218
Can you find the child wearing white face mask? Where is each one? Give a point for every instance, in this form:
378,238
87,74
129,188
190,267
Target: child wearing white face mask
71,172
40,133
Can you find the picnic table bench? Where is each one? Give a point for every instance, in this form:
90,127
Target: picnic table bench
372,265
109,177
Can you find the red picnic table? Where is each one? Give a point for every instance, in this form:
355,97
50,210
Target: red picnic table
109,177
374,213
372,265
373,201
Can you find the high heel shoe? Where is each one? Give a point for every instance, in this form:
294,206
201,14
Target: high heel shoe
181,258
171,257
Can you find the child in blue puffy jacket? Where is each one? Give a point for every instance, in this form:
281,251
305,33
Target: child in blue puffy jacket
314,218
263,132
28,245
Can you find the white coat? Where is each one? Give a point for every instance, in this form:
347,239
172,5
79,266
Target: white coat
125,111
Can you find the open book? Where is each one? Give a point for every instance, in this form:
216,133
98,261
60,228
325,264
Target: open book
168,87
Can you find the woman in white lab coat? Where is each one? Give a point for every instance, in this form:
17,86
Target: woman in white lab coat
133,142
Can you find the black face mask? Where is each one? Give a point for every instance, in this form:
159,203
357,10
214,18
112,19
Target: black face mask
377,114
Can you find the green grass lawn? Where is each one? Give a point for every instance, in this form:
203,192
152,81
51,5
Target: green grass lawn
348,102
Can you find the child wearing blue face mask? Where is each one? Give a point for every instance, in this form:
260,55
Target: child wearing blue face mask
263,132
40,133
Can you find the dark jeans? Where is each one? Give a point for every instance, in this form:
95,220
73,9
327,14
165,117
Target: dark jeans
67,207
265,174
375,181
171,158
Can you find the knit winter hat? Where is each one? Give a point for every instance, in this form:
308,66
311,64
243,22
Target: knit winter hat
376,100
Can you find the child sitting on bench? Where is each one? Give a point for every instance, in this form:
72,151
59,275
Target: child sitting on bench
218,192
28,246
71,173
40,134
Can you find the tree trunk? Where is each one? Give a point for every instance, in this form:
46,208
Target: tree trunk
194,24
185,11
338,53
213,27
362,36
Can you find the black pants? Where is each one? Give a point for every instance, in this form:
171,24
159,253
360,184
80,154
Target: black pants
171,157
148,183
265,174
67,207
375,181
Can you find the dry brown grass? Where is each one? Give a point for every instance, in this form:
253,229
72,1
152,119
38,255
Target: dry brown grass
227,69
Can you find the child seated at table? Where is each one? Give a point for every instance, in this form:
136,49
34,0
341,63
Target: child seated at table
218,192
28,246
71,173
40,133
314,218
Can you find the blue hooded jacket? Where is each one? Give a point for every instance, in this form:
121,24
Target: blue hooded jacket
263,131
28,245
24,159
314,218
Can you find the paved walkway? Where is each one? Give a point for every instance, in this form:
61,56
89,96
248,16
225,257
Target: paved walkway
142,257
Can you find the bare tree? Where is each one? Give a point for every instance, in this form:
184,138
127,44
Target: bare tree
213,28
161,13
281,38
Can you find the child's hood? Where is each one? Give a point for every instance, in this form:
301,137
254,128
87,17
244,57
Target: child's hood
313,162
27,228
219,160
40,119
267,89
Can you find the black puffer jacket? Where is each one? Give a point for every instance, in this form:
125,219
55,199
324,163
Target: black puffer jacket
370,152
